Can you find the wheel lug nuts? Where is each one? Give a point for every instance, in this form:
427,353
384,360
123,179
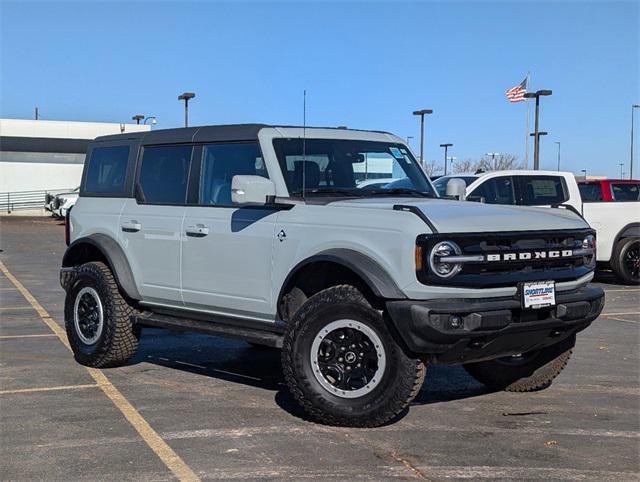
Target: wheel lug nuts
340,359
348,368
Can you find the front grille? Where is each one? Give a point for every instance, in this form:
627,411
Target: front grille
501,272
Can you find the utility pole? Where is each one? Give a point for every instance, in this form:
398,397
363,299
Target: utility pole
446,148
536,135
633,107
422,113
37,113
558,143
622,170
137,118
186,96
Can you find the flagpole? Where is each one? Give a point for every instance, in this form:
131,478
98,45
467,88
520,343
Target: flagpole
526,134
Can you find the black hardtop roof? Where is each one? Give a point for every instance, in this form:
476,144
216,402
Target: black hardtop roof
228,132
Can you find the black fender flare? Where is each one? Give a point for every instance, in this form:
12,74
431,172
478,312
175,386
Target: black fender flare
116,259
374,276
631,229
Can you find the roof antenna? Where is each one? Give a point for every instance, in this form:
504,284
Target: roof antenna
304,143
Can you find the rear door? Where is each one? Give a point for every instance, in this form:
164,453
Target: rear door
151,223
544,190
227,249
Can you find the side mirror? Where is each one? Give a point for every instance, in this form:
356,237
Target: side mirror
251,189
457,188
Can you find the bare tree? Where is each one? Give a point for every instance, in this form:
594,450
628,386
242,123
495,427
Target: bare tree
431,168
500,162
464,166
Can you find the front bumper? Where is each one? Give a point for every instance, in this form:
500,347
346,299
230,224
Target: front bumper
466,330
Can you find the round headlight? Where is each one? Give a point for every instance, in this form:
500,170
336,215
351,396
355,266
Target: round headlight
438,259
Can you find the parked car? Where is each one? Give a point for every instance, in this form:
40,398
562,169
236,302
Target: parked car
610,190
60,204
262,233
617,224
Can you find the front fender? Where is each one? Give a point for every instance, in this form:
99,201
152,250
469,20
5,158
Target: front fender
77,253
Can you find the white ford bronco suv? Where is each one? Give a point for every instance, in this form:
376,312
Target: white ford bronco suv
279,236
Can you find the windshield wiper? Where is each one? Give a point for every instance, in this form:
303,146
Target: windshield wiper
405,191
330,190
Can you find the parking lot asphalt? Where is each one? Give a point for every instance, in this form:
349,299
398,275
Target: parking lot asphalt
198,407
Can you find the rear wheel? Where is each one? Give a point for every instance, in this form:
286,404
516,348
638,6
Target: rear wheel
343,366
98,318
526,372
625,260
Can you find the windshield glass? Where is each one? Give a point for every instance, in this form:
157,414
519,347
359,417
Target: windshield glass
345,167
441,183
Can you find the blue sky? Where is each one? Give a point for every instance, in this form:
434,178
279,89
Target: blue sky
365,65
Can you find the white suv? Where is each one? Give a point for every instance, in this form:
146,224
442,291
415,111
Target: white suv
275,235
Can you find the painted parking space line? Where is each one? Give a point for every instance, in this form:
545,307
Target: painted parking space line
48,389
15,308
621,314
156,443
11,337
621,319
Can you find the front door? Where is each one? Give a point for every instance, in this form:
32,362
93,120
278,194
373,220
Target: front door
227,249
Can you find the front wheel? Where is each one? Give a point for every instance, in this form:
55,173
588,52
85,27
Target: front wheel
625,260
526,372
342,364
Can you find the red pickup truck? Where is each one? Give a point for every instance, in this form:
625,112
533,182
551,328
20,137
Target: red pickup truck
609,190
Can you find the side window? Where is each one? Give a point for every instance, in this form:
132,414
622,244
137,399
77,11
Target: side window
220,162
498,190
590,192
625,192
107,170
543,190
164,174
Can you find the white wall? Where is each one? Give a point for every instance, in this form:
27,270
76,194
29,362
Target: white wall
64,129
27,176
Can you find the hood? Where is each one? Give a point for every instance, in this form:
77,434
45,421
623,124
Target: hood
471,217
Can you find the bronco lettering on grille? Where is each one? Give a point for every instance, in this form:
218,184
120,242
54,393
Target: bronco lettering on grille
526,255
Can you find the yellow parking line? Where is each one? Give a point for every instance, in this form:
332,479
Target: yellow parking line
172,460
10,337
15,308
620,314
47,389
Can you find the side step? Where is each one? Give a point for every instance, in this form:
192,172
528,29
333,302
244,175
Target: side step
215,328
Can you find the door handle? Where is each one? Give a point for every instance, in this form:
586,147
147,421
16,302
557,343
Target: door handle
131,226
197,231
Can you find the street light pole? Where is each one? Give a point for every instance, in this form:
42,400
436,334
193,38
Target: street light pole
422,113
409,140
446,148
536,157
558,143
584,171
536,142
633,107
622,170
186,96
137,118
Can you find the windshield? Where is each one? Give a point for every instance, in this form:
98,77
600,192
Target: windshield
441,183
345,167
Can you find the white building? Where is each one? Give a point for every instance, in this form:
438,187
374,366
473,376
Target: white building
42,155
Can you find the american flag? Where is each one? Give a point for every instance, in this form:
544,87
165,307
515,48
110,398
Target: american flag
516,94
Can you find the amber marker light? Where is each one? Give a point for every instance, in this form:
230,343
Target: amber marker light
418,258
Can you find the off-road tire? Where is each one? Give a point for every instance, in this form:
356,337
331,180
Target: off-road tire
119,338
622,250
535,372
400,382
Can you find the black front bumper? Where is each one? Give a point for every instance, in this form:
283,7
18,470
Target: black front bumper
465,330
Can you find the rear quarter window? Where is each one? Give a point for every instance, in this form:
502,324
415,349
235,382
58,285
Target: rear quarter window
543,190
107,170
590,192
625,191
